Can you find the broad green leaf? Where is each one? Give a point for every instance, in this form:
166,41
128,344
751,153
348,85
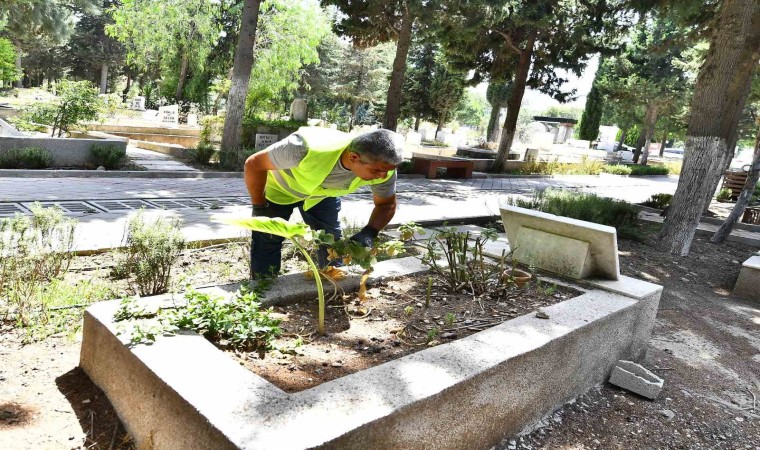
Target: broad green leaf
275,225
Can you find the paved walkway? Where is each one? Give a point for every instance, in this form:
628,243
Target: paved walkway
104,205
155,161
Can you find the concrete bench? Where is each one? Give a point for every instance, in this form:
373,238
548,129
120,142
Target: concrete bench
748,284
455,167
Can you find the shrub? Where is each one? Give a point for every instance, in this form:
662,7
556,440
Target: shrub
585,167
617,169
26,158
78,101
589,207
405,167
637,169
203,152
33,251
659,201
108,156
151,250
724,195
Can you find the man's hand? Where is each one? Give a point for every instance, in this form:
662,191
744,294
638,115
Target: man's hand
264,210
366,236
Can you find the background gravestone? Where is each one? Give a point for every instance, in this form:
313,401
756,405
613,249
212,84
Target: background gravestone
265,140
169,115
298,110
138,103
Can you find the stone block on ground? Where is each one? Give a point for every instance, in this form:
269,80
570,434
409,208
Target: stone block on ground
748,284
637,379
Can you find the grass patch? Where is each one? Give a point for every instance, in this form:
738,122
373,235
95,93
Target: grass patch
589,207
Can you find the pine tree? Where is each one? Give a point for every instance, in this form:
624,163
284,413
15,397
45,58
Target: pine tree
592,113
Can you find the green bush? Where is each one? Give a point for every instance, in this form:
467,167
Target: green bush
33,251
151,250
108,156
585,167
724,195
659,201
617,169
589,207
26,158
637,169
405,167
203,152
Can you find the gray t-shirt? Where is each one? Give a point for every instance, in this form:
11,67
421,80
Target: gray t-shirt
289,153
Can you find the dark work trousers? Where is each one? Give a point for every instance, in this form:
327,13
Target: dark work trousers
266,249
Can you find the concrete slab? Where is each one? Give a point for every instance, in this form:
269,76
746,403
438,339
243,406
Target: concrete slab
637,379
602,241
748,284
183,393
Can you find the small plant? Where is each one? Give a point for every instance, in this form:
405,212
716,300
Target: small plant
33,252
617,169
432,334
409,310
108,156
724,195
25,158
658,201
408,230
151,250
449,319
203,152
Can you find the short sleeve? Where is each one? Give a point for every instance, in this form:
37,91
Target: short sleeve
387,188
287,153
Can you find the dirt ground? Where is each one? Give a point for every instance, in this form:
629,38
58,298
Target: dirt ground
706,344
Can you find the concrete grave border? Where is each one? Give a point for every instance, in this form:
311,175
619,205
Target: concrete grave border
748,284
181,392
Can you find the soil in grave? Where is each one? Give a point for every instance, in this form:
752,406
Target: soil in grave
393,321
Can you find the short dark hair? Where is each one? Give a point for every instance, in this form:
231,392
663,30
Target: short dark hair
379,146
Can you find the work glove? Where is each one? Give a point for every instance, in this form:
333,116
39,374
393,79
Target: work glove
264,210
366,236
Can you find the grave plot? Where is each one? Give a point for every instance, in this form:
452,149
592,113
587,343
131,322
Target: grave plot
182,391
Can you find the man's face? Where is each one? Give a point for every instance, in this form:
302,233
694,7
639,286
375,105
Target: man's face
369,170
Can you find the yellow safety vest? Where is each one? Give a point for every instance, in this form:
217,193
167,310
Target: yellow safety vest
304,182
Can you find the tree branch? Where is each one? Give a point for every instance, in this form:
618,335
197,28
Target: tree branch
510,43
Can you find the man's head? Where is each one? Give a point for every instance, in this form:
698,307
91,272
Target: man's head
372,155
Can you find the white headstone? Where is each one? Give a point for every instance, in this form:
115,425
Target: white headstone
192,120
413,138
543,140
298,110
265,140
137,103
169,115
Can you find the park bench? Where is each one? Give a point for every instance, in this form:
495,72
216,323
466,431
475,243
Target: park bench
455,167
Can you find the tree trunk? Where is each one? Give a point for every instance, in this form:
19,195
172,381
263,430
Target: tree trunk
492,132
640,142
183,75
725,164
649,127
719,97
622,140
440,124
417,124
744,197
393,100
19,70
125,92
103,78
241,76
513,104
664,142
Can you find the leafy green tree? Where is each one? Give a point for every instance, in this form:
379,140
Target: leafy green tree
166,32
720,93
592,113
8,71
497,94
446,91
419,78
90,53
473,110
370,22
527,42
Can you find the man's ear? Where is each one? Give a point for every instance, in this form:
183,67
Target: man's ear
354,157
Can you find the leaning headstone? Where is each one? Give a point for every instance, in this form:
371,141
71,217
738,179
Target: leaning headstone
298,110
137,103
265,140
169,115
413,138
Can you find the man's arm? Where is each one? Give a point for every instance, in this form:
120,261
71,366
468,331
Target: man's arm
255,176
385,209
